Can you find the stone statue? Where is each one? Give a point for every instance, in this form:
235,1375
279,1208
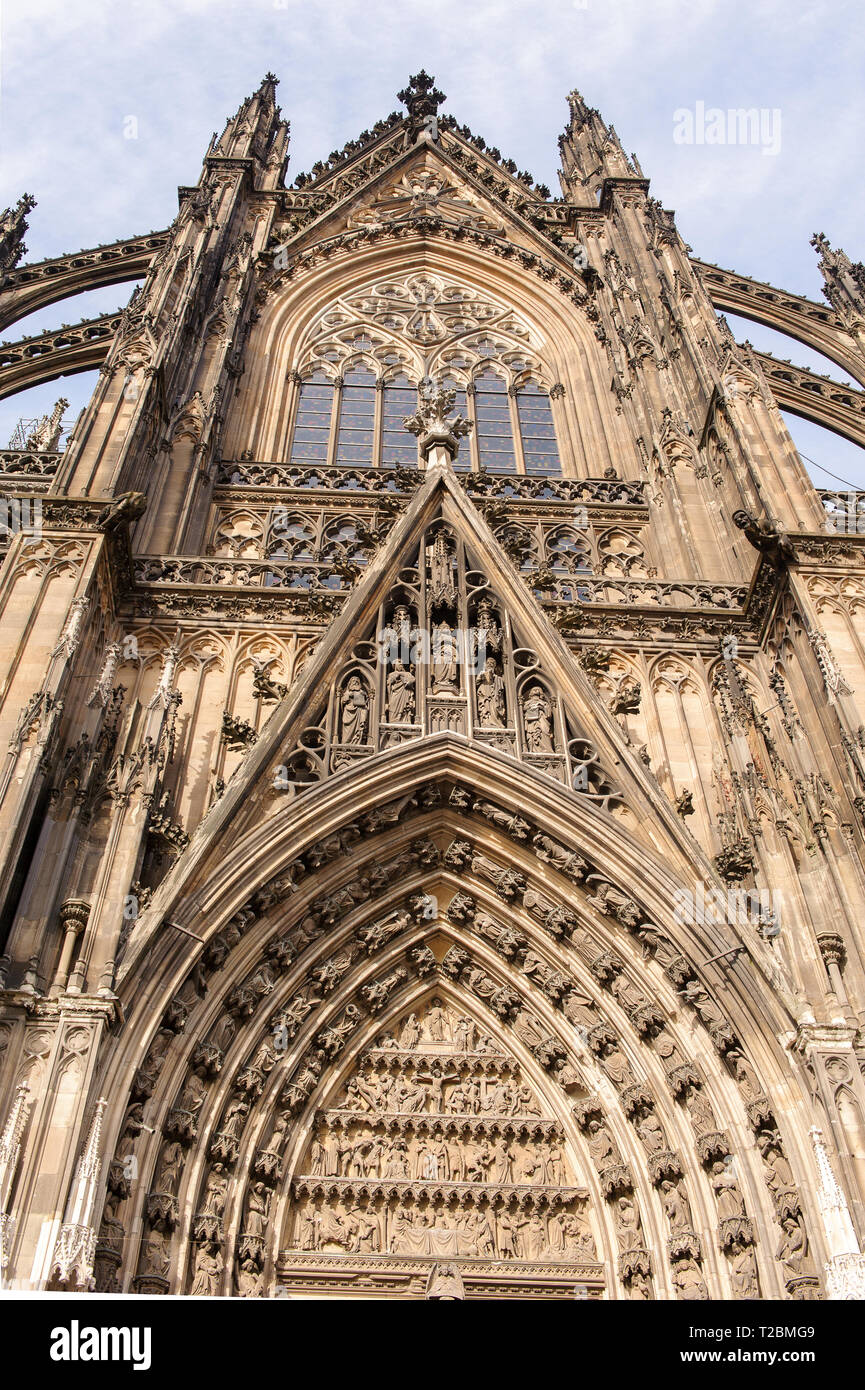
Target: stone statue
793,1250
538,720
490,689
689,1281
400,695
216,1192
354,711
170,1165
444,659
209,1265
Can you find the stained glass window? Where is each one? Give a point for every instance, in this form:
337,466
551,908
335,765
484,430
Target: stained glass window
494,429
356,437
463,461
538,434
397,445
312,430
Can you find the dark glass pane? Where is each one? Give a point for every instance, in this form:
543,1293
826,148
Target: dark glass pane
538,431
312,426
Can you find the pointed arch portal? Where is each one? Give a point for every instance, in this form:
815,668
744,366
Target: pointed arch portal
433,1035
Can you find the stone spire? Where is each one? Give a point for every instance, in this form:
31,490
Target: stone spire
844,282
845,1268
13,225
591,152
75,1250
10,1149
256,132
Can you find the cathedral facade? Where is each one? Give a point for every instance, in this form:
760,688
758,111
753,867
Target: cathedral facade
433,703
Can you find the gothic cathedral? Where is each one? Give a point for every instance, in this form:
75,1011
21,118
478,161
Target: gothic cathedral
433,704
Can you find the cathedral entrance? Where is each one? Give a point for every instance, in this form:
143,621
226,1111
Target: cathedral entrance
436,1173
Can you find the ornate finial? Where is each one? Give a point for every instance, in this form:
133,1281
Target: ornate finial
13,225
431,425
271,77
421,96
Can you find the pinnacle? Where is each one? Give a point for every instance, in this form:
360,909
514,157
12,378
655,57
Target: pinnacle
421,96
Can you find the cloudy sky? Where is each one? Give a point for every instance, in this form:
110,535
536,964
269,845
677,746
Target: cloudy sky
72,74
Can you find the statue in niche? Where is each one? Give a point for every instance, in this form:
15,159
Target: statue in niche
538,720
235,1118
628,1224
793,1251
440,562
277,1139
209,1265
651,1132
155,1258
354,711
170,1165
487,633
256,1210
743,1273
400,694
689,1281
490,689
702,1115
248,1279
216,1192
600,1143
192,1096
399,637
444,659
726,1191
676,1205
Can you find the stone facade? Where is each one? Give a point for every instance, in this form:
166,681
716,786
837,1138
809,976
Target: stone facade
432,853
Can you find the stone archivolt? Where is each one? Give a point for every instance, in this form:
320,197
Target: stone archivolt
437,1086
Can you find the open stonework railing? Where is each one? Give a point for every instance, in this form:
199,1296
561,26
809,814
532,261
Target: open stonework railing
28,463
845,510
603,491
311,576
641,592
240,574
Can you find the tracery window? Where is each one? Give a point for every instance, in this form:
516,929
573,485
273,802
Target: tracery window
358,422
363,355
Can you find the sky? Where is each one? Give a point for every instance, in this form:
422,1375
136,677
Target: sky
105,108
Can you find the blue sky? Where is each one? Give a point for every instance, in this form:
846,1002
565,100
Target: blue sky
72,73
